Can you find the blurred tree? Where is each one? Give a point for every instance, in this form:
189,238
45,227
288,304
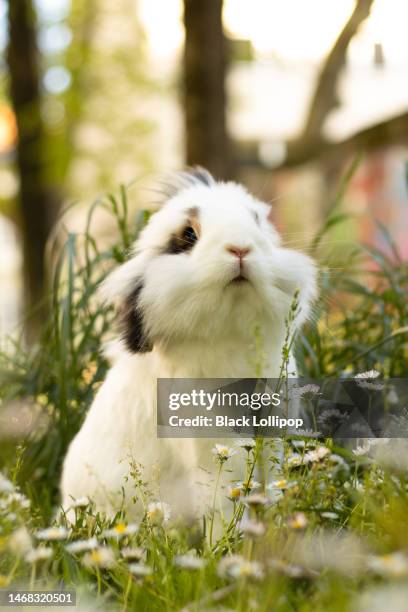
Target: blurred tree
205,61
312,144
38,202
325,97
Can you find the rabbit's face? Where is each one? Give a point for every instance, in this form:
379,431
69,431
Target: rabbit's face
209,266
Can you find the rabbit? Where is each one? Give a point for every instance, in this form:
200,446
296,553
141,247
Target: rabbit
206,272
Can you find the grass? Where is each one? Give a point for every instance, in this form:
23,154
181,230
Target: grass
333,535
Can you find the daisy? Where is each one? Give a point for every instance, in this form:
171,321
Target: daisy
370,375
394,564
293,571
41,553
247,443
249,485
6,486
364,380
120,530
313,456
82,546
306,392
329,515
235,566
20,542
189,562
52,534
362,450
234,492
297,521
294,460
256,500
81,502
252,528
18,499
278,484
158,513
223,452
140,570
102,557
133,554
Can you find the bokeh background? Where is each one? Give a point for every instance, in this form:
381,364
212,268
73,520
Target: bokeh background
291,97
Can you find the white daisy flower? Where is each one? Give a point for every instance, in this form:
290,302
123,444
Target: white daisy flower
313,456
370,375
17,498
294,460
250,485
190,562
235,567
223,452
256,500
306,392
133,553
20,542
82,546
362,450
247,443
81,502
102,557
6,486
293,571
234,492
52,534
392,565
364,380
252,528
120,530
140,570
329,515
41,553
308,433
279,484
297,521
158,513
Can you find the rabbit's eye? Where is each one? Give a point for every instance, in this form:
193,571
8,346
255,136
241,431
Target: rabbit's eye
183,242
189,235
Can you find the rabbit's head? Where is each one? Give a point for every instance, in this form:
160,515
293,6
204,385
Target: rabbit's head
209,267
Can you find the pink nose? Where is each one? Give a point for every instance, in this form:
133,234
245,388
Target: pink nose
238,252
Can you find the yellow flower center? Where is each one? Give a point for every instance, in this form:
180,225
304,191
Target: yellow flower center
235,492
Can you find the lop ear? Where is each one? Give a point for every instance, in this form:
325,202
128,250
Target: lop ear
122,288
131,318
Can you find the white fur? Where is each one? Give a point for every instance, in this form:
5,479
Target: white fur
200,326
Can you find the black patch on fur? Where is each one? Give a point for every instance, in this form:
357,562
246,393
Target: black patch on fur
131,318
183,180
181,243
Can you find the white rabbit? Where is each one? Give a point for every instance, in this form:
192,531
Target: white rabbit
206,273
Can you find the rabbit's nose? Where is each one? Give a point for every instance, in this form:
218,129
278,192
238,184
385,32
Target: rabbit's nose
239,252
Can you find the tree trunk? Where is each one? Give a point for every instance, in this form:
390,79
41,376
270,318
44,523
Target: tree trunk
204,87
325,98
38,205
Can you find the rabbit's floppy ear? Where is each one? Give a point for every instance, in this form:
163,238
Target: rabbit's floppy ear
122,288
133,330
